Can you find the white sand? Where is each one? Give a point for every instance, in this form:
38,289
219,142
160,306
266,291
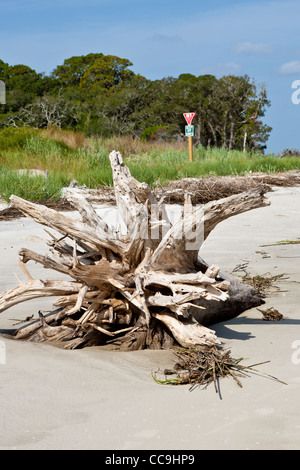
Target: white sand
98,399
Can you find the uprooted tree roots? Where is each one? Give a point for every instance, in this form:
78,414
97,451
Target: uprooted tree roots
145,287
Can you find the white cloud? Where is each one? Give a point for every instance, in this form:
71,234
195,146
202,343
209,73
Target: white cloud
290,68
253,48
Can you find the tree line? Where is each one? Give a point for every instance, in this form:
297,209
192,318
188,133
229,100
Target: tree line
101,96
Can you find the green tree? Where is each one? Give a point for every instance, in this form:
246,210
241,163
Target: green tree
73,69
107,72
23,85
100,94
241,105
115,113
3,69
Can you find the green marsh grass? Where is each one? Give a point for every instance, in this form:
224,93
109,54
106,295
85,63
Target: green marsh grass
68,155
36,188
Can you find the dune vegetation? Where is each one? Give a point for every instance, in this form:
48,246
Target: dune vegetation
67,155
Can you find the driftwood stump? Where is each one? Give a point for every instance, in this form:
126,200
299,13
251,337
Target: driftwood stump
146,288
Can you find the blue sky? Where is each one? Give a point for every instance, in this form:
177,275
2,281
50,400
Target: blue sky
166,38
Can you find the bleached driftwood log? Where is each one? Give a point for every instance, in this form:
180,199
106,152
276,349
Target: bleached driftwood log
147,288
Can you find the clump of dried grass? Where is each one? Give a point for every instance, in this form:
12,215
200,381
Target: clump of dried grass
262,283
131,146
201,366
73,139
203,190
209,188
271,314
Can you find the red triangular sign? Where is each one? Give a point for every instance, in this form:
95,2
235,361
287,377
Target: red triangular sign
189,117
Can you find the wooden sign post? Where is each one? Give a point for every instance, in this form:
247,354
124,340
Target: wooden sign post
189,132
190,148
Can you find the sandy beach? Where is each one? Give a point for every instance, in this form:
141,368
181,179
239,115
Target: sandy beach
94,398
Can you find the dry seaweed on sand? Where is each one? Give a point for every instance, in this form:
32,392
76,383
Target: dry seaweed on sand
284,242
271,314
205,189
209,188
201,366
264,282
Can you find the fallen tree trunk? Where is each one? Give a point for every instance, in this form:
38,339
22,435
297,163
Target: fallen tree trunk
146,288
